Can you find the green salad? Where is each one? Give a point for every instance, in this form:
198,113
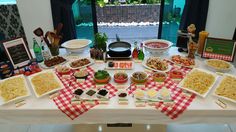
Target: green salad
101,74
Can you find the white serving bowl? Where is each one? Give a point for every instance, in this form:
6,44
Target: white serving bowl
157,51
76,45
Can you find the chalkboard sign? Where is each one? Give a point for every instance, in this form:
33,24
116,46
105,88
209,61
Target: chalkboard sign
17,52
222,49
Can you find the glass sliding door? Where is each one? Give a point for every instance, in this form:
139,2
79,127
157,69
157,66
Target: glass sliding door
131,20
83,14
171,19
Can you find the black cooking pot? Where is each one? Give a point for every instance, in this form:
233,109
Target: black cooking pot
119,49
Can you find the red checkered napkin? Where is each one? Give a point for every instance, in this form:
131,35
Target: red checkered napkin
63,101
181,101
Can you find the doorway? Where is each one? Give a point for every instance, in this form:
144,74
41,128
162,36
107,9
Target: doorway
131,20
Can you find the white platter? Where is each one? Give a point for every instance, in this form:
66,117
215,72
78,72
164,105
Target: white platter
222,97
193,66
18,98
42,65
144,64
49,92
192,91
217,69
74,68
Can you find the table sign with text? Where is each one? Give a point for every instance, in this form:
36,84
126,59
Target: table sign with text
223,49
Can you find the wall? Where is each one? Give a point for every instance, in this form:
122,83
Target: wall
128,13
221,20
34,14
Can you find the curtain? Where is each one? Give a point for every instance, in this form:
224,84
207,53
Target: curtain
195,12
62,13
3,56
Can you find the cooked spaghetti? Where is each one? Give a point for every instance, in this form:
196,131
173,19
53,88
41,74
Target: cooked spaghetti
227,88
218,64
199,81
44,82
13,88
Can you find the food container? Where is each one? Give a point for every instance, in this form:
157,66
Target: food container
102,77
176,74
102,81
103,94
157,46
122,98
120,77
159,76
78,93
82,74
139,77
119,49
217,65
76,45
63,70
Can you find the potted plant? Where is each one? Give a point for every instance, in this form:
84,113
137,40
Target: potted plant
101,41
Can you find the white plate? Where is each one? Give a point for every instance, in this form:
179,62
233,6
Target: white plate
192,91
144,64
18,98
91,62
193,66
42,65
222,97
216,69
49,92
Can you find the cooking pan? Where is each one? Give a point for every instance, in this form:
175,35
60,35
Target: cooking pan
119,49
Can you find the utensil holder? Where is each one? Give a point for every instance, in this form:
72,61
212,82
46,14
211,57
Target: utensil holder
54,50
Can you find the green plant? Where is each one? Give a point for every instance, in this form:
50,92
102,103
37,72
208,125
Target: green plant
100,41
101,3
116,2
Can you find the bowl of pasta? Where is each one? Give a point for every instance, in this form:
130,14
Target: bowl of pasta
218,65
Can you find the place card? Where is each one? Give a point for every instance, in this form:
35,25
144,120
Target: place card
221,104
20,103
53,95
120,86
140,86
99,61
137,61
98,86
80,80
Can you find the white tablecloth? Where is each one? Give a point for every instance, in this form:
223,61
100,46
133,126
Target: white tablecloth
44,110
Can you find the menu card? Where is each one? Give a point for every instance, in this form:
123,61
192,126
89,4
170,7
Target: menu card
17,52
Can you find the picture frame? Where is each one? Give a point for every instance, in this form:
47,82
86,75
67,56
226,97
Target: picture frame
218,48
17,52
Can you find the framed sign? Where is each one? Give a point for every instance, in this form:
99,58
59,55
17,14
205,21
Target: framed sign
17,52
222,49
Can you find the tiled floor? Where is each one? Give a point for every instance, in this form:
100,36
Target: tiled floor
103,128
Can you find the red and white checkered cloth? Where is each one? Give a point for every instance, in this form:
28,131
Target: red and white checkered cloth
218,56
181,100
63,100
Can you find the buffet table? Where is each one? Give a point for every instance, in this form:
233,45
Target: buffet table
44,110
